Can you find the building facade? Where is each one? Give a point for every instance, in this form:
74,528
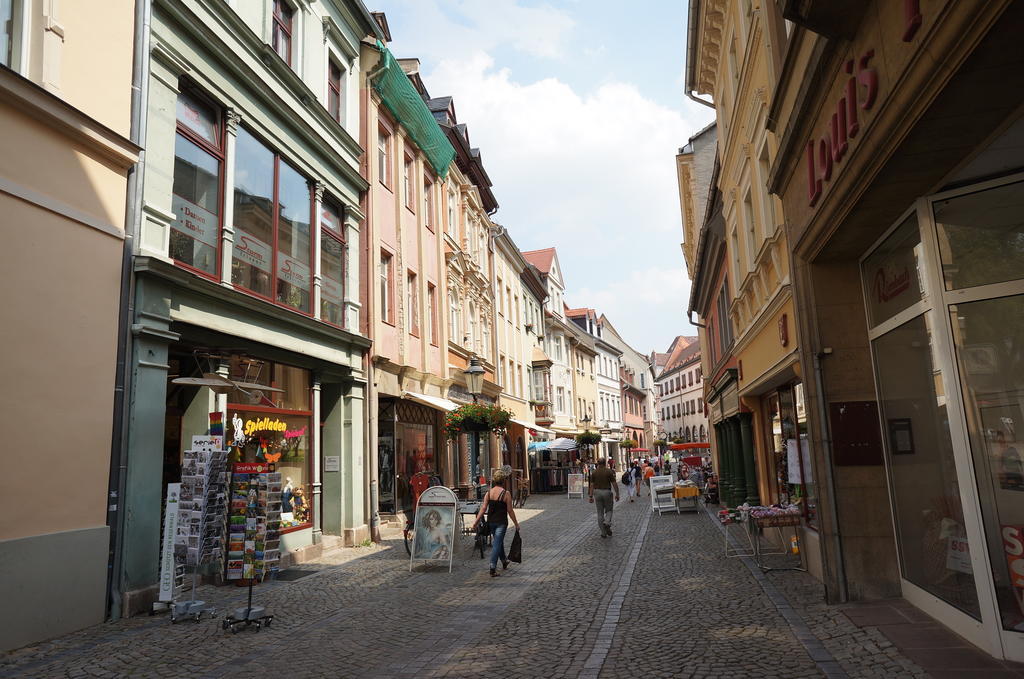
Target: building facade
907,278
247,264
70,146
558,414
904,276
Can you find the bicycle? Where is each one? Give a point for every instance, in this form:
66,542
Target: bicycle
419,482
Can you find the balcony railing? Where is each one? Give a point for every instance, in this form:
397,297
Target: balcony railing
544,414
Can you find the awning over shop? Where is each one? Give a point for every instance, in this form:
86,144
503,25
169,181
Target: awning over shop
534,427
687,446
605,439
562,444
538,445
431,401
400,97
641,450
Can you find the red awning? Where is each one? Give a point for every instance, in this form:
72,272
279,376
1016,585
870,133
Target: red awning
687,446
640,450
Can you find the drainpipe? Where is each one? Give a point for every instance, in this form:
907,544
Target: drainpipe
126,314
826,445
691,43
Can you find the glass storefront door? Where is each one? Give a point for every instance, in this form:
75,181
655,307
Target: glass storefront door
981,247
944,293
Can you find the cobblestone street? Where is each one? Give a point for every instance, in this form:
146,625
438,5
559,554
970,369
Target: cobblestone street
657,599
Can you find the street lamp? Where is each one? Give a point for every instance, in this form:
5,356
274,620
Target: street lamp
474,377
475,385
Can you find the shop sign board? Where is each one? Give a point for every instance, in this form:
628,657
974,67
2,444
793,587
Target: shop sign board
576,485
332,463
207,443
167,563
434,532
858,92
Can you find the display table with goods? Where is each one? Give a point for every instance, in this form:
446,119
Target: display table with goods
686,495
745,528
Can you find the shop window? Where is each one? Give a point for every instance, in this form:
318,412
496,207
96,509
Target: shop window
890,273
981,236
283,19
276,427
931,535
273,210
384,156
194,240
989,355
8,32
335,90
332,265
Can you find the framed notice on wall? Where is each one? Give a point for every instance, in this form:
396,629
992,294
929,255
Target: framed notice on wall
901,436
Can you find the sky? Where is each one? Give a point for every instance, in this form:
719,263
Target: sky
578,109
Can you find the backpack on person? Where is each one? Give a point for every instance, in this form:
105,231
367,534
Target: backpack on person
625,478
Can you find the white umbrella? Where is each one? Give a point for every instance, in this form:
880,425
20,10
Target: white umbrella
563,444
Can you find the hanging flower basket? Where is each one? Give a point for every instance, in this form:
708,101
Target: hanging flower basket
588,438
476,417
627,444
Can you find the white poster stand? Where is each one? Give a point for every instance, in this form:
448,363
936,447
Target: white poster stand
663,501
434,534
575,485
170,578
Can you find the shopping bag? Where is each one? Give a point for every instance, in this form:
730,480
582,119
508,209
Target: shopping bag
515,552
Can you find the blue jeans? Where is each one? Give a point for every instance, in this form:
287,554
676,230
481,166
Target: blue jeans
498,548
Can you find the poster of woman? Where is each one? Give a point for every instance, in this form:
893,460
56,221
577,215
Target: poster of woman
435,532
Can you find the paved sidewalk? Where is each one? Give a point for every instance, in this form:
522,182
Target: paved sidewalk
656,599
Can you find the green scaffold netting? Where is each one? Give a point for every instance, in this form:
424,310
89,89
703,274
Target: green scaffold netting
405,103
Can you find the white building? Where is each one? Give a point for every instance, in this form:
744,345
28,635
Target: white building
680,391
559,415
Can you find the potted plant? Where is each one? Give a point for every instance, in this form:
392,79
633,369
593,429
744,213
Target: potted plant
660,442
476,417
628,444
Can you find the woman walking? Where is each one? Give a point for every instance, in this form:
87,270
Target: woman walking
498,510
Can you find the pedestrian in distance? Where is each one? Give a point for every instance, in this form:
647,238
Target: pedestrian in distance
638,475
649,473
629,482
602,482
498,510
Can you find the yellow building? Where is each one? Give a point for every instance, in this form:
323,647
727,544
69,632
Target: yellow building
734,56
64,166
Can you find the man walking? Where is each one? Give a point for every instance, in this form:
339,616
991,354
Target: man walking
602,481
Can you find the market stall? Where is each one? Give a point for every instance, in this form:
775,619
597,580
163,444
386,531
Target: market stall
554,464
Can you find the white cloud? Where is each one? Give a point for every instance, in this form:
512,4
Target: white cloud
589,172
466,26
646,306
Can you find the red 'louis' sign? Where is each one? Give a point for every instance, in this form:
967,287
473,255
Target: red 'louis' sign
859,92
